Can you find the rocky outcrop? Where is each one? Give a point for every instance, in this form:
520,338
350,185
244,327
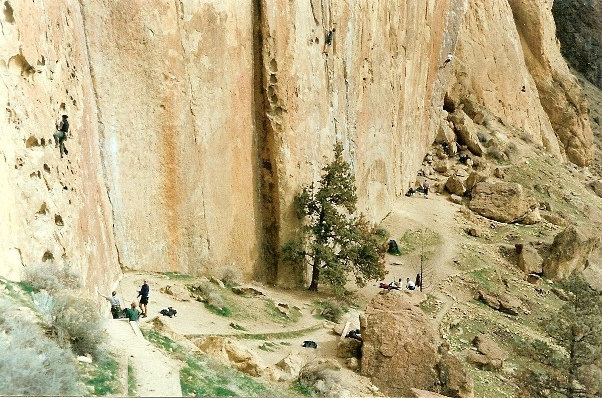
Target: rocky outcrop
504,201
529,260
580,33
569,253
564,103
489,355
399,351
233,354
508,61
466,131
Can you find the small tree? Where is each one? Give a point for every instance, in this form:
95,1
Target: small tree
332,240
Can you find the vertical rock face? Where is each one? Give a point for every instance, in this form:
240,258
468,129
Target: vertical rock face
376,84
579,29
564,101
195,122
174,84
508,60
51,209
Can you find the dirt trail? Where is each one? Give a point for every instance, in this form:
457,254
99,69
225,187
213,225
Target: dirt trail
156,374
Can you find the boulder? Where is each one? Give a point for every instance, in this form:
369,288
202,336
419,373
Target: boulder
349,348
233,354
500,303
499,173
454,380
352,363
445,134
466,131
473,179
177,292
492,352
533,279
473,231
441,166
504,201
399,350
569,253
553,218
455,186
529,260
290,366
455,199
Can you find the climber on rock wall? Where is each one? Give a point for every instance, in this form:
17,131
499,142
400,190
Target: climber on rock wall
62,128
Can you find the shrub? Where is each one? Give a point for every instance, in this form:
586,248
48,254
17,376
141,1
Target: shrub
76,324
230,276
31,363
330,310
215,300
321,380
52,278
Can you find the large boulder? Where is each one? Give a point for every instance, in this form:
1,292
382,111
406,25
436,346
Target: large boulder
489,355
529,260
233,354
466,130
290,366
445,134
473,179
455,186
504,201
349,348
454,380
569,253
399,350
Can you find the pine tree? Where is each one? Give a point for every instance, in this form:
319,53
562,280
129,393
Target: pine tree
333,240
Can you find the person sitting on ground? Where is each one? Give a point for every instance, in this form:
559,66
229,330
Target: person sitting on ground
410,192
115,304
132,313
60,135
410,285
393,285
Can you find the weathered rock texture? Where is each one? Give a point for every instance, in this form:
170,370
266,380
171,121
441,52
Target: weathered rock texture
50,209
504,201
399,350
579,30
569,253
194,123
508,61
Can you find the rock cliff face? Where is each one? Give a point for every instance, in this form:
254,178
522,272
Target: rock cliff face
579,30
509,61
50,209
194,123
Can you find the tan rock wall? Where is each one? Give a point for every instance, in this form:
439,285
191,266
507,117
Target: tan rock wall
378,87
50,209
174,86
490,69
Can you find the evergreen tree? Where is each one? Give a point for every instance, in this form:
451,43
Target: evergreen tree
332,240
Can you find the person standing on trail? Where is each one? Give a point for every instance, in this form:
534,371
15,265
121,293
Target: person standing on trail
60,135
115,304
143,294
425,187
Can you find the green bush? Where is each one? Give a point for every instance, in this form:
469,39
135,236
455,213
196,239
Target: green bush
76,324
31,364
230,276
52,278
330,310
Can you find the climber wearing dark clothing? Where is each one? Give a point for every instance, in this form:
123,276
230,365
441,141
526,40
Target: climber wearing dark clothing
60,135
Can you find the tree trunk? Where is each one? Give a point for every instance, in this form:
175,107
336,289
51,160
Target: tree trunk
315,275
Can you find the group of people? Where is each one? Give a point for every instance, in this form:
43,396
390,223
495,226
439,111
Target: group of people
399,285
424,189
132,313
